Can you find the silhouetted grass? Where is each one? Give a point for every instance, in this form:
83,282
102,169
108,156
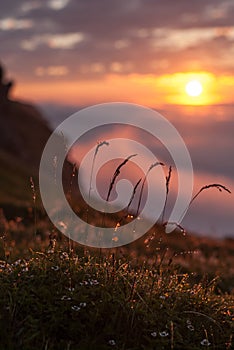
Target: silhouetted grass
59,301
160,292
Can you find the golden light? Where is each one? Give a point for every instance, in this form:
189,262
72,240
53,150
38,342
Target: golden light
190,88
194,88
148,89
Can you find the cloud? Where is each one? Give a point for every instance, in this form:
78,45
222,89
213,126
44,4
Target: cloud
54,71
179,39
138,36
58,41
11,23
28,6
219,11
58,4
64,41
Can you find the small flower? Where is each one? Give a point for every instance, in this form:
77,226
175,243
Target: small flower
75,308
154,334
162,297
90,282
62,225
190,326
17,262
64,255
163,334
93,282
55,268
64,297
205,342
71,289
112,342
83,304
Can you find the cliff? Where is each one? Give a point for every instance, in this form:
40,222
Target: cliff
23,135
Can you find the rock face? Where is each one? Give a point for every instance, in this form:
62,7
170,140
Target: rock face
23,135
23,130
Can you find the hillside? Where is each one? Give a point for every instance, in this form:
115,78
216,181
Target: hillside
23,134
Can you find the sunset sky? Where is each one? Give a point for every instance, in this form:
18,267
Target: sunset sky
144,51
64,54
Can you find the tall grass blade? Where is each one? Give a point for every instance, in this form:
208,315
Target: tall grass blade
168,178
129,204
34,197
143,184
220,187
113,179
133,194
116,174
99,145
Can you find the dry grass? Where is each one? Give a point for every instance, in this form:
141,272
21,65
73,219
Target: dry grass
160,292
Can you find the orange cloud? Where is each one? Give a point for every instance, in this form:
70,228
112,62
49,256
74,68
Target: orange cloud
148,90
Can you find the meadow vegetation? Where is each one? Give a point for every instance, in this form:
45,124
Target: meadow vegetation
160,292
163,291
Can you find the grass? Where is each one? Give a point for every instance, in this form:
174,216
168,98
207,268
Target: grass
160,292
14,181
152,294
69,301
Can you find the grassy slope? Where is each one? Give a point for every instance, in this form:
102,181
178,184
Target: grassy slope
14,181
137,299
156,306
57,301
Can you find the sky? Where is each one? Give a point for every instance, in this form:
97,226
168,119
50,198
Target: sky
93,51
64,54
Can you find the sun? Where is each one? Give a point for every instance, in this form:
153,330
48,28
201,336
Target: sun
194,88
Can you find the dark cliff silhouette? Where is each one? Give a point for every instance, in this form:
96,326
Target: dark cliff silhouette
5,87
23,130
23,135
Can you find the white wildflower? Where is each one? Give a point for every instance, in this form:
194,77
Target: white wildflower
65,297
62,225
205,342
164,334
25,269
83,304
64,255
93,282
75,308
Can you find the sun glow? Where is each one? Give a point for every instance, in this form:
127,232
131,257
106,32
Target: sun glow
148,90
190,88
194,88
